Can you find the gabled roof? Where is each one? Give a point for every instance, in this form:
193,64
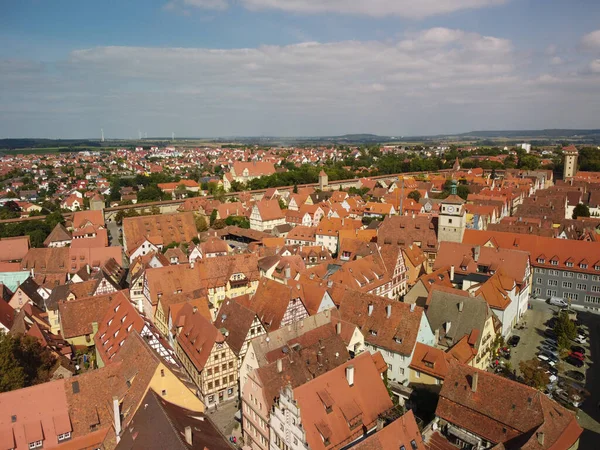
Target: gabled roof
14,248
237,320
196,335
504,411
58,234
352,406
401,433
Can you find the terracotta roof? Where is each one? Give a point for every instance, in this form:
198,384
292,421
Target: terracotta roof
542,249
81,218
237,320
255,168
504,411
196,335
77,316
168,280
514,263
179,227
358,405
271,300
406,230
120,320
58,234
68,260
396,333
35,413
401,433
14,248
269,210
217,271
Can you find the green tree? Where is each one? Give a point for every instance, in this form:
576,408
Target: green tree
54,218
565,329
213,216
533,375
295,190
201,224
149,194
581,210
282,204
23,362
415,195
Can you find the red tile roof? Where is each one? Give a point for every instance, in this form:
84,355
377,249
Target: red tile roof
358,405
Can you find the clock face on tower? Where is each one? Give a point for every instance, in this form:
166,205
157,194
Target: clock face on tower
450,209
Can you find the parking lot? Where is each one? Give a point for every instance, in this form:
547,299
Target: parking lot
531,337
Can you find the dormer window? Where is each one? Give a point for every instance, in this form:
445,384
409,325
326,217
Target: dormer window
373,332
35,444
584,266
397,340
569,264
541,260
554,262
596,267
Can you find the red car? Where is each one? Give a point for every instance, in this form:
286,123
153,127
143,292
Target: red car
577,355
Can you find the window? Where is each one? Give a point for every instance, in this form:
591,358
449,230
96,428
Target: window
552,282
417,374
389,367
551,293
554,262
210,385
541,260
567,284
569,264
540,271
581,287
595,288
539,281
592,299
36,444
217,383
208,372
64,436
224,367
164,392
211,399
230,392
556,273
583,266
231,364
224,381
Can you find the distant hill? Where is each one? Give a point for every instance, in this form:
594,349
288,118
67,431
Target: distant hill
548,133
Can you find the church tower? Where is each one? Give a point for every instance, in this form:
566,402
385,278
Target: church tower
452,217
571,155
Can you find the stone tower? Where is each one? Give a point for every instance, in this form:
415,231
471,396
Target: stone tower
571,155
323,180
452,217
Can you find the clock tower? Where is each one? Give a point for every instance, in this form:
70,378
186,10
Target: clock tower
451,220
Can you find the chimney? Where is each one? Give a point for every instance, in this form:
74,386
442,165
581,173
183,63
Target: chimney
320,358
452,273
474,380
350,375
370,309
195,309
338,328
288,272
188,435
388,311
117,417
279,366
412,307
380,423
476,252
461,305
540,438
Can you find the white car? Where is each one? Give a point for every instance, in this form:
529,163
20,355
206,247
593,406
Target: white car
580,339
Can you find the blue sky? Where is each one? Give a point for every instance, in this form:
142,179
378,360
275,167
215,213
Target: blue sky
296,67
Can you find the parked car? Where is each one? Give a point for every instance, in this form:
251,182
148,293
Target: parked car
577,355
576,375
574,361
550,333
549,348
580,339
561,394
550,341
557,301
514,340
578,349
548,358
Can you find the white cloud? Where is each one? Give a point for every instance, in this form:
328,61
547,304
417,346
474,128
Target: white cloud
595,66
437,80
376,8
591,40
